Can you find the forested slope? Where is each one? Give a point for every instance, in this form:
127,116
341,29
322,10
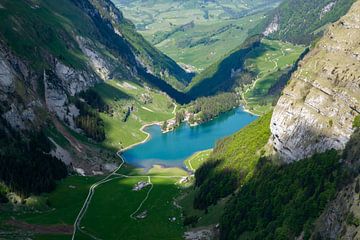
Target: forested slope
300,22
218,77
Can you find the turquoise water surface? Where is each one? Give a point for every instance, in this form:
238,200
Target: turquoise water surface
172,148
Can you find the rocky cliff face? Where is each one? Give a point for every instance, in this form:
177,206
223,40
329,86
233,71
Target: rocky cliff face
317,108
341,218
52,50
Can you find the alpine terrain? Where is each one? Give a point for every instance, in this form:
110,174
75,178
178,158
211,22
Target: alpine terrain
169,119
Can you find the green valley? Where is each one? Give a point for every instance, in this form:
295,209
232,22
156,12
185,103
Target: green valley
171,119
195,34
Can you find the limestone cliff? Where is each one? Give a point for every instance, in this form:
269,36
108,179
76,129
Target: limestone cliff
50,51
317,108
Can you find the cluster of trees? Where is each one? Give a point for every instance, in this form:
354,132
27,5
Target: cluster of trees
89,121
281,202
92,125
352,150
26,165
207,108
92,98
127,113
232,162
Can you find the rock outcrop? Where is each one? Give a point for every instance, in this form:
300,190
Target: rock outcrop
273,26
341,217
317,108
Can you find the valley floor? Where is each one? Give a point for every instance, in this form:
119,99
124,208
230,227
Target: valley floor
111,203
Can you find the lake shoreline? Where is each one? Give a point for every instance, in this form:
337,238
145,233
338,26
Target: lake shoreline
171,150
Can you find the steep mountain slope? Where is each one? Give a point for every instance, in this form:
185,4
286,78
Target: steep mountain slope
317,108
257,70
52,51
149,57
340,219
285,23
288,22
232,163
317,112
218,77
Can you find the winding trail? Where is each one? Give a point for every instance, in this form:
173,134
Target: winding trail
113,175
258,77
144,200
89,198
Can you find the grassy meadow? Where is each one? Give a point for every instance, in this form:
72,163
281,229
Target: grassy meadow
198,158
269,62
54,209
193,33
149,106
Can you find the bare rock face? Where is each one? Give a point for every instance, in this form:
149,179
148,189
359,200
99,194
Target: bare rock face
273,26
6,77
99,63
73,80
317,108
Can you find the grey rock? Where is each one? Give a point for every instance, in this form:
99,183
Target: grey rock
317,108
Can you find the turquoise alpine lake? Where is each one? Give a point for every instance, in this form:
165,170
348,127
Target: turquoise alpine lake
172,148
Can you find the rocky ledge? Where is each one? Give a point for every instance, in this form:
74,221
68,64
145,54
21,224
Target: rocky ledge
317,108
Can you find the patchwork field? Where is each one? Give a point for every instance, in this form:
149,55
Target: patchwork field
193,33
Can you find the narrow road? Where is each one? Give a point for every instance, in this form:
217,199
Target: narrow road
89,198
113,175
253,84
144,200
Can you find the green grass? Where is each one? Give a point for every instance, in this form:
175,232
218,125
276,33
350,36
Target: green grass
194,162
58,207
219,28
65,200
242,150
51,237
232,163
52,132
26,40
269,62
205,219
356,122
121,94
113,212
158,170
203,55
110,208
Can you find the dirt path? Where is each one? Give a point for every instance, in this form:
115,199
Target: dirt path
144,200
252,86
113,175
89,198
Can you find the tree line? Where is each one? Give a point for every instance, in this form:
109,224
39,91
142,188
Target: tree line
207,108
89,119
281,202
26,165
